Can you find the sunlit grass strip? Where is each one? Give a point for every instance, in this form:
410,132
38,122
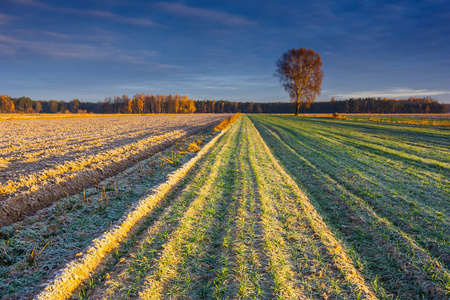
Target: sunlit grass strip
78,271
248,249
279,265
313,270
181,241
343,262
126,282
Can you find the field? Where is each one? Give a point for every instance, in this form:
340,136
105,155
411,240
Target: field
273,207
415,119
382,188
44,159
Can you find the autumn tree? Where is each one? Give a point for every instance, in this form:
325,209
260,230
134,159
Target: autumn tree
300,72
6,104
129,106
140,104
190,107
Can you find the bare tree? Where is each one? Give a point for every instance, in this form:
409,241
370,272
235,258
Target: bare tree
300,72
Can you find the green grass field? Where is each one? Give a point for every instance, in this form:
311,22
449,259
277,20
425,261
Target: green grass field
420,119
382,188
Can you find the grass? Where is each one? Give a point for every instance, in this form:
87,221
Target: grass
420,119
412,119
382,188
238,229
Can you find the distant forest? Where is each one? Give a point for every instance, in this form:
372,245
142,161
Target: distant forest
142,103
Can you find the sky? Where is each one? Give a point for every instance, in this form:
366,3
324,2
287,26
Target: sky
92,49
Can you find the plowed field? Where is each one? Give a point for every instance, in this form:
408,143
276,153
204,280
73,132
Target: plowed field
42,160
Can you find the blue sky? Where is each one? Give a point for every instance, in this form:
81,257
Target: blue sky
90,49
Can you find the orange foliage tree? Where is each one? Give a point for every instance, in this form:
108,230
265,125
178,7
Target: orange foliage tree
6,104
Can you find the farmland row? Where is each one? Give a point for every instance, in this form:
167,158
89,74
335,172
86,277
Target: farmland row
383,189
42,168
237,227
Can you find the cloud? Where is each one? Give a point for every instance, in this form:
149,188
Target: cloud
33,3
109,16
6,19
14,46
95,34
392,93
8,40
204,14
90,13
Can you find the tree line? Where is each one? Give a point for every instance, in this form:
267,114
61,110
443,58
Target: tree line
138,104
424,105
143,103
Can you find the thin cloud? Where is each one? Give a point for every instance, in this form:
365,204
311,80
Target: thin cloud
223,18
50,49
8,40
95,34
14,46
110,16
392,93
33,3
91,13
6,19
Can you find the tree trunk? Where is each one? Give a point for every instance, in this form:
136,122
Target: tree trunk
297,108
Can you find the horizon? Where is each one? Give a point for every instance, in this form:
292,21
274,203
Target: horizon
91,50
243,101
